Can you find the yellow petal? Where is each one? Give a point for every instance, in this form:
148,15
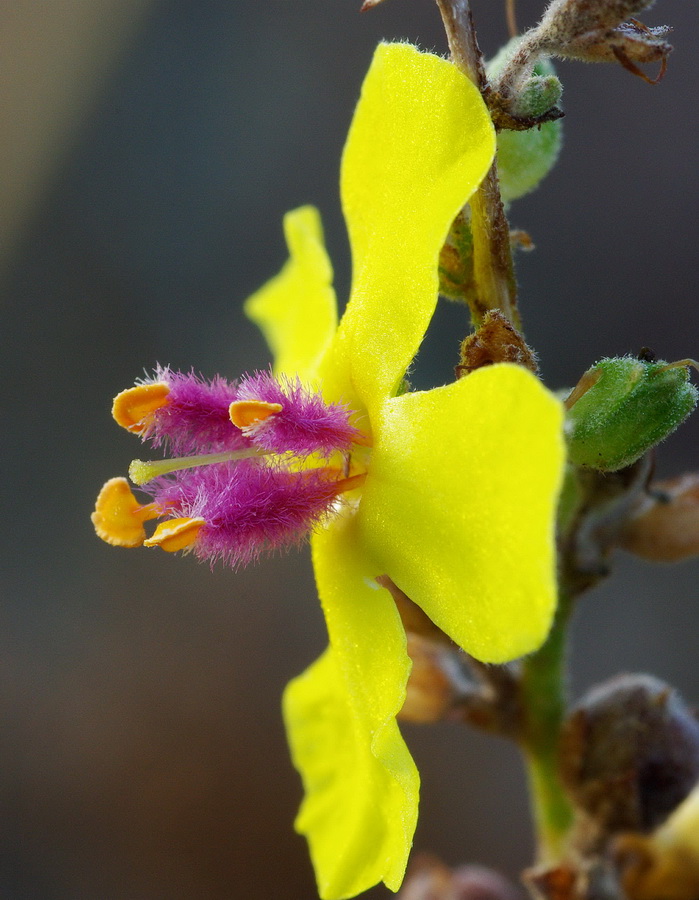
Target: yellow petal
459,507
354,810
297,311
682,827
420,143
364,627
361,784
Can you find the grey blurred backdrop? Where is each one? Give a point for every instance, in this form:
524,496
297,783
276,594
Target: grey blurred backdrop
149,149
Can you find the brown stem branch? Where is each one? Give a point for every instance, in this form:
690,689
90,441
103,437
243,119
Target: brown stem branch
461,35
511,18
493,268
492,253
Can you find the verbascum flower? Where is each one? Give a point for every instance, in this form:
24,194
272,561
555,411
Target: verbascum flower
450,492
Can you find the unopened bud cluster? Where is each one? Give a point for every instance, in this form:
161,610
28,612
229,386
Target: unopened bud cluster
525,157
587,31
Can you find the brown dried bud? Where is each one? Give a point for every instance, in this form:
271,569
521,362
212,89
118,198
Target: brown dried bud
413,618
629,753
430,691
552,882
635,40
591,31
665,528
521,240
495,341
567,21
630,43
597,31
429,879
592,878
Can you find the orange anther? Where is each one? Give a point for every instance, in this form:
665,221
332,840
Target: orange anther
245,413
131,408
175,534
118,517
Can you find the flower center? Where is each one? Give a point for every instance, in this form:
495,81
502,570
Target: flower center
265,460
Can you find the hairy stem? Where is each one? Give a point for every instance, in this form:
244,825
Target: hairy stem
492,254
493,269
544,704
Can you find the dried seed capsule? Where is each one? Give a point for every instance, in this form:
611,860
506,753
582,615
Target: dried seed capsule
429,692
629,753
665,528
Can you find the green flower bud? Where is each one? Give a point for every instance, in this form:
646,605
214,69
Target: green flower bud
624,406
456,279
539,94
526,157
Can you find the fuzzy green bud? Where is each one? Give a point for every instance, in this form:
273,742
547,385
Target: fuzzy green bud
526,157
622,407
539,94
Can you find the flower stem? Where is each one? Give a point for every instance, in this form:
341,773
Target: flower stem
463,46
493,269
496,287
544,703
511,18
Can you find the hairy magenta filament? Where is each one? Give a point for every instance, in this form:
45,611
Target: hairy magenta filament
254,465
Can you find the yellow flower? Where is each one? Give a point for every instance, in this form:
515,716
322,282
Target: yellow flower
461,485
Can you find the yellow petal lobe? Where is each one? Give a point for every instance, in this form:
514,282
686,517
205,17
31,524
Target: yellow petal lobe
460,502
131,408
118,517
175,534
362,787
420,143
245,413
297,311
351,798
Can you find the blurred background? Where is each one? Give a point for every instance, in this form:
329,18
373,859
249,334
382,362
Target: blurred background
148,150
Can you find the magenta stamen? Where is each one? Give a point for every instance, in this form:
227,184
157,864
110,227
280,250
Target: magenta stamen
246,482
